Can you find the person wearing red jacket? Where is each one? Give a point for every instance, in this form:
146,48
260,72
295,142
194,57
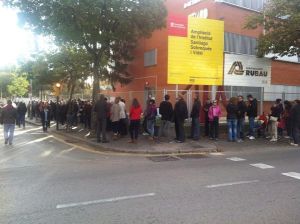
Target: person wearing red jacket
135,120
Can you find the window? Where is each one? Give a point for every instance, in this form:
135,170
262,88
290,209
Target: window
239,44
255,5
150,58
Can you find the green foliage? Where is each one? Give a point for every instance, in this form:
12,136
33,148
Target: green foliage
107,29
5,79
18,86
280,19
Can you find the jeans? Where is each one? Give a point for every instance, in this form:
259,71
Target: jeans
134,129
101,129
9,132
22,120
164,128
115,127
232,129
295,133
274,129
150,127
251,126
195,129
240,128
179,129
214,128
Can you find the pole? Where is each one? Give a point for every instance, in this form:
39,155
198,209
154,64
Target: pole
56,112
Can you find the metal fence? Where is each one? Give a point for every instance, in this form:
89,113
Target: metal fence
265,99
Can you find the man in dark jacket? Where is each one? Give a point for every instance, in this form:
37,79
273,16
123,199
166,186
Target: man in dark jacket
101,109
195,115
242,109
180,114
8,119
166,112
21,109
206,107
252,114
295,120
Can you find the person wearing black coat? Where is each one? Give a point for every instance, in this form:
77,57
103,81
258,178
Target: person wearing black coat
195,115
8,119
45,115
180,114
206,107
21,109
252,114
232,114
295,120
101,109
166,112
242,109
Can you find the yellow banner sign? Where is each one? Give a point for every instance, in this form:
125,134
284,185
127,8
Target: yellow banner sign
195,51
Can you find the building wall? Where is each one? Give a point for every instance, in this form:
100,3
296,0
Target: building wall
155,77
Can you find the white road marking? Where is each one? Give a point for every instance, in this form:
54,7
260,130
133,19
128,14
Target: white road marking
217,154
262,166
231,184
105,200
292,174
236,159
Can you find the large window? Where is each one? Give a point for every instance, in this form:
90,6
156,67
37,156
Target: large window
239,44
150,58
256,5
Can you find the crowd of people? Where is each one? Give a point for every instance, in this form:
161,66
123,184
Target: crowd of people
283,120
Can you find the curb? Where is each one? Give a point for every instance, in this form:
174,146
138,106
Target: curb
102,148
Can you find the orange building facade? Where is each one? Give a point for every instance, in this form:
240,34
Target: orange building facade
150,67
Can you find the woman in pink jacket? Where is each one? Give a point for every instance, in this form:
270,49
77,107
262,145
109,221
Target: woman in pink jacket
214,113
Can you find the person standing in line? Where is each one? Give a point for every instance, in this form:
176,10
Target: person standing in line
232,112
115,118
214,114
295,120
166,111
206,107
135,120
101,109
21,109
276,111
252,114
151,116
180,114
195,115
45,115
287,118
122,123
242,109
8,119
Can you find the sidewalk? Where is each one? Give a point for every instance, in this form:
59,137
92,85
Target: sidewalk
146,146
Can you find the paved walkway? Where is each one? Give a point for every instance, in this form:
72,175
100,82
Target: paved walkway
144,145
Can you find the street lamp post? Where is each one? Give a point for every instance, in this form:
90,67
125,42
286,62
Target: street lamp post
57,85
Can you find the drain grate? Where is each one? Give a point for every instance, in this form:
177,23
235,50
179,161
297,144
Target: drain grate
162,158
192,156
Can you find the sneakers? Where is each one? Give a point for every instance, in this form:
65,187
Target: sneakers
251,137
240,140
273,140
294,144
6,141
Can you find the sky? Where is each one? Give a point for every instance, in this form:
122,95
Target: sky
16,43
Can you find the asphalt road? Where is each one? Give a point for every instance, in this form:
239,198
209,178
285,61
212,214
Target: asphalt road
44,179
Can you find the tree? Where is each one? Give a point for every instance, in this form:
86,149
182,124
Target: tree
280,19
5,79
71,65
108,29
18,86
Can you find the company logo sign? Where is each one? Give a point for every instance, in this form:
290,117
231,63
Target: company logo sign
177,26
242,70
237,69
